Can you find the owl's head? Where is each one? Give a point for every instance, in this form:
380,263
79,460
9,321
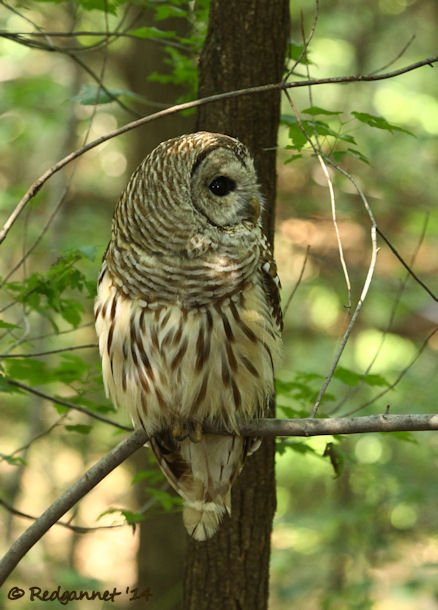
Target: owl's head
223,182
207,176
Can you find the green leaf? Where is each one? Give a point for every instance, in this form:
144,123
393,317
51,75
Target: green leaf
406,437
80,428
13,460
7,388
297,136
378,122
323,129
298,52
292,412
351,378
152,32
30,369
167,10
336,456
165,499
292,158
71,311
283,444
106,6
131,517
315,110
93,406
93,95
4,324
88,252
338,155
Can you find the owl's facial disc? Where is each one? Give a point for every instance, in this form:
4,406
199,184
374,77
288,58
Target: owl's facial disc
224,188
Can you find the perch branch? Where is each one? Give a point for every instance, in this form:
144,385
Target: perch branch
261,427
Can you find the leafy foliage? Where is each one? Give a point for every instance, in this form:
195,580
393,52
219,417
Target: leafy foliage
49,293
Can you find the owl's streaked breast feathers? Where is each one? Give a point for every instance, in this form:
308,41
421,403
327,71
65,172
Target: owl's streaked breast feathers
188,314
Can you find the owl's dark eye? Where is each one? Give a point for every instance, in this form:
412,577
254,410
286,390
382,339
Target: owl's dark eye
221,186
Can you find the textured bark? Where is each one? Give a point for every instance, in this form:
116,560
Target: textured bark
244,47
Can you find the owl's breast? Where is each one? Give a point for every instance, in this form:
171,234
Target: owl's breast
169,363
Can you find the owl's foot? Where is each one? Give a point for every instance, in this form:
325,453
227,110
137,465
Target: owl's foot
191,429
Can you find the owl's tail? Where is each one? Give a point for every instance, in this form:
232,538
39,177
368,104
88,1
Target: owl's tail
202,519
202,473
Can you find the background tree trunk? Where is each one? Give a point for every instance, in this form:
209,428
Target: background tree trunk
243,48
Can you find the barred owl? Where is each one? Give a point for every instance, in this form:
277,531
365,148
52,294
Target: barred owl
188,316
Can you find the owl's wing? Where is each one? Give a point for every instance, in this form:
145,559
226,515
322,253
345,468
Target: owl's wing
271,282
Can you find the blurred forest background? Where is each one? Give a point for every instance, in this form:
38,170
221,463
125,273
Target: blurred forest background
363,537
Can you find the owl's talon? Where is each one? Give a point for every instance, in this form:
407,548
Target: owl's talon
196,432
179,432
188,430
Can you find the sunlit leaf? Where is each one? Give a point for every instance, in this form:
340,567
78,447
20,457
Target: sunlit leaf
352,378
80,428
13,460
404,436
31,370
151,32
92,95
4,324
298,52
378,122
336,457
316,110
167,501
283,444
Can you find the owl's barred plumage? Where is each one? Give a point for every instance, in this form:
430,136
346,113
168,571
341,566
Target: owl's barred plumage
188,314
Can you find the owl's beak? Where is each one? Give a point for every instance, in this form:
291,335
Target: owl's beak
250,210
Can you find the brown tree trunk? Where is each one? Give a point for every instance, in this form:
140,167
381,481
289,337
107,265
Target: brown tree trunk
245,46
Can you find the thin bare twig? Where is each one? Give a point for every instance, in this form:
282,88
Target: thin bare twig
23,38
78,529
336,226
37,184
399,54
65,403
298,282
50,352
406,266
38,436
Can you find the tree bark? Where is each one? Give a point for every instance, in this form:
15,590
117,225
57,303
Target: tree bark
244,47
